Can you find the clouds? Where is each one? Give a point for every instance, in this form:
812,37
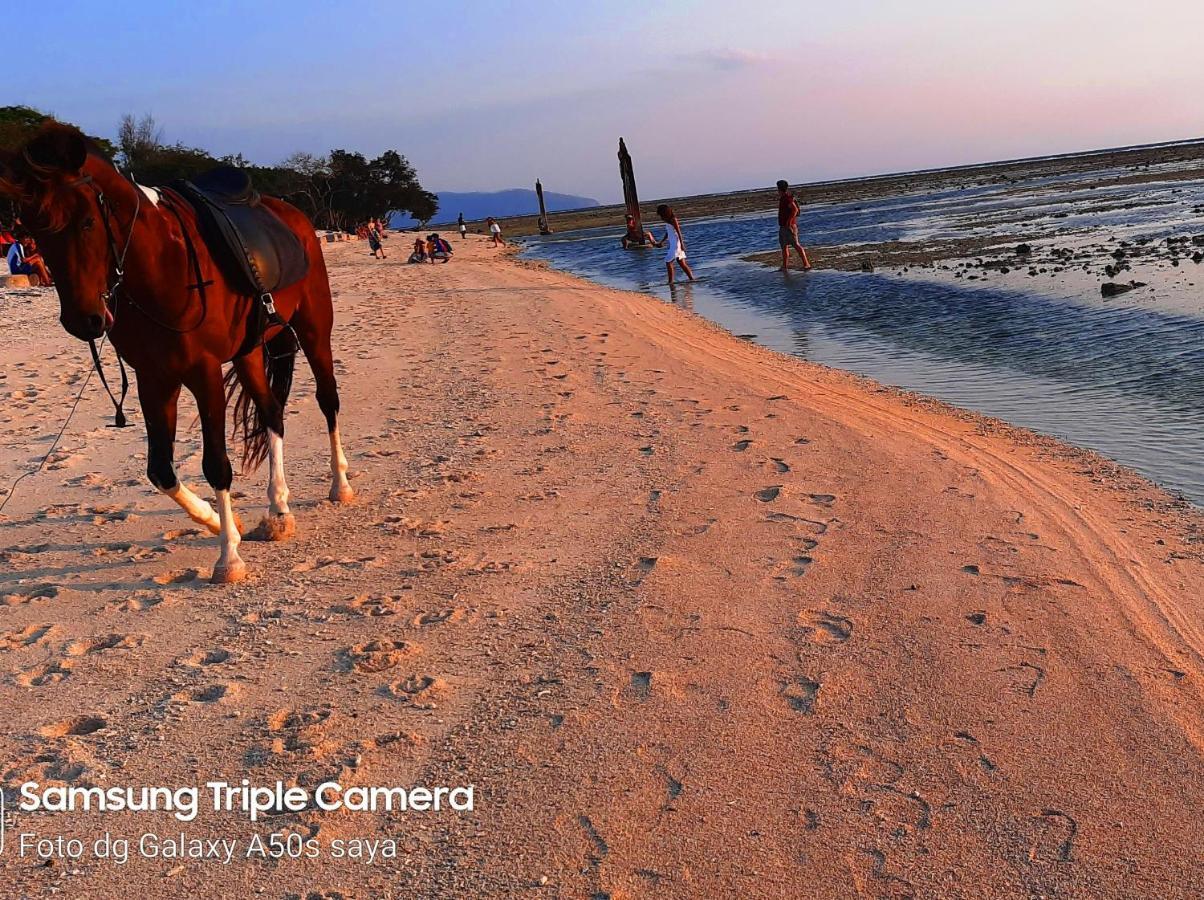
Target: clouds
729,59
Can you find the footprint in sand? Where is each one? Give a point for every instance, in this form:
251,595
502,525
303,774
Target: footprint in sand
377,656
88,646
298,719
209,693
769,494
29,636
780,466
180,576
823,499
201,658
418,691
801,694
371,605
29,594
50,764
825,628
741,446
439,616
44,674
1025,678
142,602
1053,837
77,726
641,685
179,533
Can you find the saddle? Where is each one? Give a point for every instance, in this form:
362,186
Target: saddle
255,250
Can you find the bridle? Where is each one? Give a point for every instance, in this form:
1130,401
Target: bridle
113,282
116,257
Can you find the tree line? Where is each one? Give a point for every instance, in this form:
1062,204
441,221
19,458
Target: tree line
337,190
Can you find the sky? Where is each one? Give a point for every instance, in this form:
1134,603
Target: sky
710,96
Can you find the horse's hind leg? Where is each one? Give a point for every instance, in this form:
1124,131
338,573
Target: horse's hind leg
268,396
313,329
158,400
206,386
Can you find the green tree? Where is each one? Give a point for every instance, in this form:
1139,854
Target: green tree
18,124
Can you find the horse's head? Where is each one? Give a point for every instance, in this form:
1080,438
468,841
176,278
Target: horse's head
61,207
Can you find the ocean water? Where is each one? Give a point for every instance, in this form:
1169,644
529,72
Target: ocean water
1125,380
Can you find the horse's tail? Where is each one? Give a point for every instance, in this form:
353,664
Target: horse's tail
250,429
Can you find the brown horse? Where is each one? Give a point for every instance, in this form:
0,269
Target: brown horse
130,263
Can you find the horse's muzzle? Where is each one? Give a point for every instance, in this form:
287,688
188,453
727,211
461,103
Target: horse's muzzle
89,327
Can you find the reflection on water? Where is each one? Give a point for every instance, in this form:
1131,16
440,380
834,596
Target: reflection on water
1126,381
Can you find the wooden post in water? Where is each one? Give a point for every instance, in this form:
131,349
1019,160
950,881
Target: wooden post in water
630,199
544,226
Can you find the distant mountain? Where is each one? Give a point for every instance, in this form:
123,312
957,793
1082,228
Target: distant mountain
500,204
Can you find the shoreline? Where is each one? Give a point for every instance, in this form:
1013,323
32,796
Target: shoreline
1136,161
692,615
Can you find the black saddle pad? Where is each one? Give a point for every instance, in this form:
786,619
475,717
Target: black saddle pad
255,249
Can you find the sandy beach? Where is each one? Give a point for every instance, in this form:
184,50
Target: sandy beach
692,617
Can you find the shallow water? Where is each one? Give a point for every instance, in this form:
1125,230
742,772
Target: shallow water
1126,381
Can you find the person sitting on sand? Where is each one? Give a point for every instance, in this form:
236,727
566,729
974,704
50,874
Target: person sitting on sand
788,210
496,230
677,244
439,249
632,235
24,259
419,254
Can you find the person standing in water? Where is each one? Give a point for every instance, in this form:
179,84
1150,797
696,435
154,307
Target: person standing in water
677,244
788,210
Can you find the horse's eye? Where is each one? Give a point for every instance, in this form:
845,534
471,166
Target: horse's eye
88,223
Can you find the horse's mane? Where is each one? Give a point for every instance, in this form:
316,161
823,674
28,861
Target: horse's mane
32,174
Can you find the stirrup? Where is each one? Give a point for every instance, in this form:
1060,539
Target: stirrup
269,306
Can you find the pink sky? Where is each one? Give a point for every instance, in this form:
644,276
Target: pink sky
710,95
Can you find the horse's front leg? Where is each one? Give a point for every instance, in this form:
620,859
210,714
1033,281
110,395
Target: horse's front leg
206,386
158,397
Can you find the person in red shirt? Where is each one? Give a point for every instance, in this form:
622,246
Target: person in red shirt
788,210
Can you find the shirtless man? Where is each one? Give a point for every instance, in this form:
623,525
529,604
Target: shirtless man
788,210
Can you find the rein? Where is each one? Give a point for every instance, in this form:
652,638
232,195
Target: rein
109,297
117,258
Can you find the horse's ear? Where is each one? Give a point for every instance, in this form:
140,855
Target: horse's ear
59,147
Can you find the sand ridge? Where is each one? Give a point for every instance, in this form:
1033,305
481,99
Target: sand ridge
694,618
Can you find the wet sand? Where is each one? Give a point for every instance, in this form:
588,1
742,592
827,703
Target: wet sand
695,619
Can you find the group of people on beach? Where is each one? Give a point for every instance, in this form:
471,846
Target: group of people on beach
431,249
788,213
495,230
21,255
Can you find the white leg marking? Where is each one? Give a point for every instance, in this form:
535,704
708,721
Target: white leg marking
230,566
277,489
198,510
340,490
